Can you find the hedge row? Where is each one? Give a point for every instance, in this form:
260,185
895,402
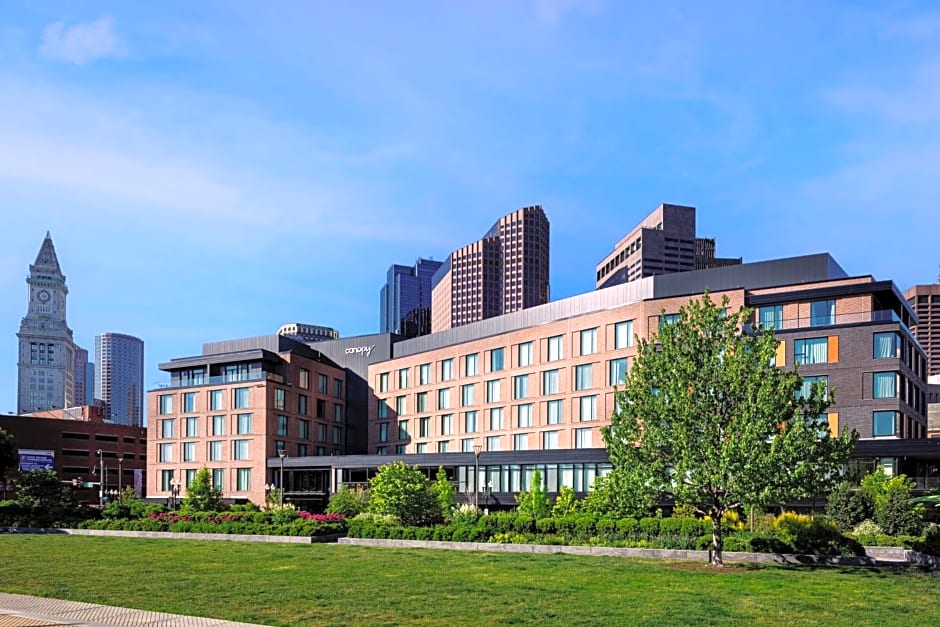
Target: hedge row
299,527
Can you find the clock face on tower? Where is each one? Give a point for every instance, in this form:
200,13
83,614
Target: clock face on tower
43,296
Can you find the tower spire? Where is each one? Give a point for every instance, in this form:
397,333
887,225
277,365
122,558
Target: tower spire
46,260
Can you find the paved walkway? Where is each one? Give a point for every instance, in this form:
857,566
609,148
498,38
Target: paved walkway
20,610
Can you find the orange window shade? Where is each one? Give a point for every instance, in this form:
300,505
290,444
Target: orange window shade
833,349
781,357
833,423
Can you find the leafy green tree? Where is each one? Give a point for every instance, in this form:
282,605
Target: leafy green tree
201,495
565,503
9,455
613,495
42,489
849,505
404,492
446,494
349,501
534,502
706,418
894,511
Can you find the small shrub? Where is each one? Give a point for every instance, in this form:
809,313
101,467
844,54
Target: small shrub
848,506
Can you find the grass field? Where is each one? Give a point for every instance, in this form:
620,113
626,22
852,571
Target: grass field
281,584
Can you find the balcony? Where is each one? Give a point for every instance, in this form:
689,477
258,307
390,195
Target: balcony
222,380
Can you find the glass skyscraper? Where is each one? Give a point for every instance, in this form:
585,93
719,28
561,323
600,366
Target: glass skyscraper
405,299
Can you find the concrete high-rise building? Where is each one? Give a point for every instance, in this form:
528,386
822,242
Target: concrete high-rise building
405,299
661,243
82,382
119,377
46,364
504,271
925,299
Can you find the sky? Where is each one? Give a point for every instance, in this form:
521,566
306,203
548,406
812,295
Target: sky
213,170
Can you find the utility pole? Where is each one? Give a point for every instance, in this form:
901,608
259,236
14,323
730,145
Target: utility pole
101,479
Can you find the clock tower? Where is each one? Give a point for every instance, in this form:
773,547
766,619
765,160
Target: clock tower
46,349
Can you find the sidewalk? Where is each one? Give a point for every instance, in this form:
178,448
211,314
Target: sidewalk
20,610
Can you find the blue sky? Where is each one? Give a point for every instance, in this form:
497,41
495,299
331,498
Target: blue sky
212,170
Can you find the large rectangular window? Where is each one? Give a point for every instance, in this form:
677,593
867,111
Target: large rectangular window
337,388
383,432
525,354
240,397
215,450
383,382
244,424
302,404
492,443
443,398
549,440
809,382
382,408
496,419
771,317
822,312
582,438
243,479
583,377
166,480
884,385
550,382
589,341
667,319
217,475
192,427
240,449
421,402
443,446
323,384
216,400
884,423
496,360
886,345
524,415
166,404
588,408
402,378
403,430
218,425
189,451
492,391
470,365
424,374
467,395
623,334
618,371
303,378
554,410
166,428
280,399
520,386
447,369
556,349
166,452
447,424
303,429
424,427
520,442
470,422
189,402
466,445
282,426
811,351
401,405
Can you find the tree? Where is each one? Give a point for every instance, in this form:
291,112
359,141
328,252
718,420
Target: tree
706,418
42,489
534,502
565,503
404,492
349,501
446,493
895,512
848,506
9,455
201,495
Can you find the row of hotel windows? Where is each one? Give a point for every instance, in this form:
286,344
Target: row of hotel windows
241,400
821,313
583,438
233,373
583,380
242,479
525,356
215,425
215,449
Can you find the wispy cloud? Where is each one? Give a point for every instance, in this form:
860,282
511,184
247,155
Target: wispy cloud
83,42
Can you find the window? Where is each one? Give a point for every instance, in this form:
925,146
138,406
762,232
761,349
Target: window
884,423
166,429
771,317
884,384
466,445
492,391
189,451
525,354
589,341
470,422
337,413
166,452
244,424
471,364
556,347
466,395
338,388
424,427
623,334
282,426
240,449
618,371
808,382
218,425
588,408
383,382
583,377
241,398
582,438
496,360
215,450
382,408
337,435
303,429
421,402
280,399
520,442
381,450
811,351
243,479
321,408
402,378
524,415
496,419
166,480
424,374
447,369
383,432
303,450
217,475
303,378
421,447
323,384
447,424
443,398
166,404
550,382
192,427
667,319
553,409
216,400
520,386
189,402
492,443
403,430
401,405
822,312
302,404
443,446
886,346
549,440
321,433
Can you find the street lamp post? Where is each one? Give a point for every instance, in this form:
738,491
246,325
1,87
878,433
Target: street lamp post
100,478
282,454
120,474
175,485
477,449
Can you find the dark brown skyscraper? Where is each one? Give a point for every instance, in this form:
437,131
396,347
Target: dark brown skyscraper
504,271
925,299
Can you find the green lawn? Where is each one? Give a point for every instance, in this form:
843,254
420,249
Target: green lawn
282,584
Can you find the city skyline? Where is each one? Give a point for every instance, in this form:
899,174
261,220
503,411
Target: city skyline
218,175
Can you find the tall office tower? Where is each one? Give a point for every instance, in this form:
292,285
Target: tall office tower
663,242
405,299
119,377
925,299
46,364
81,376
504,271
